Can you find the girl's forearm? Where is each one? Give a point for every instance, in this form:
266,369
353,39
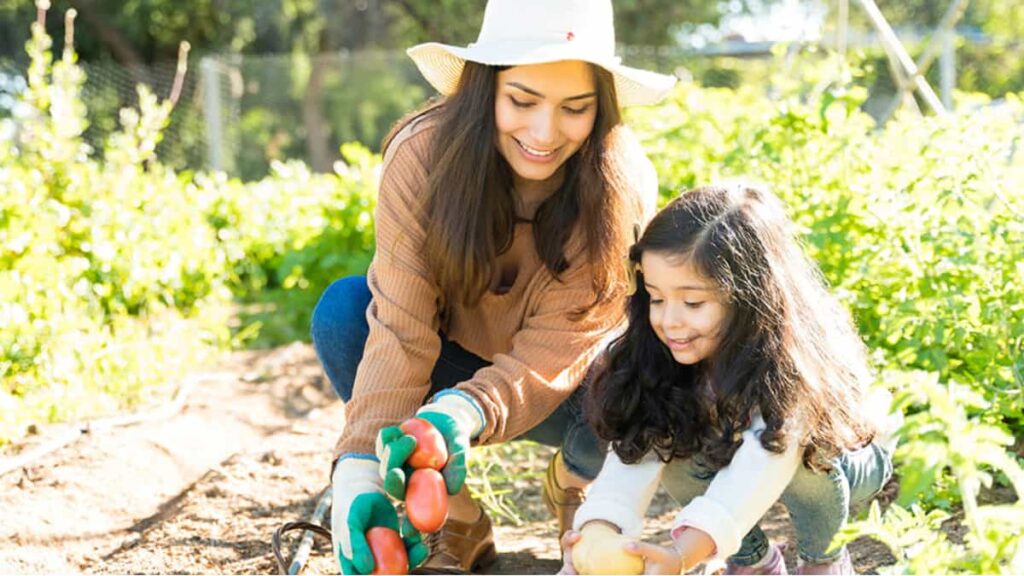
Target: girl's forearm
694,546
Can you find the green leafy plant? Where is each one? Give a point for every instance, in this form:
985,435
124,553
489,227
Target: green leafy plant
117,275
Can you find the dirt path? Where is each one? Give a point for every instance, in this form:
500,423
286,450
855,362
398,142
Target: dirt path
202,492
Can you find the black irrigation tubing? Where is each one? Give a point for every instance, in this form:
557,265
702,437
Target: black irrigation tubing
310,528
169,409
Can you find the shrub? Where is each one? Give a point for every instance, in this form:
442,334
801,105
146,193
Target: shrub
118,275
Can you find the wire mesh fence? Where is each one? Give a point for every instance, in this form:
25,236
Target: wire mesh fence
240,113
264,108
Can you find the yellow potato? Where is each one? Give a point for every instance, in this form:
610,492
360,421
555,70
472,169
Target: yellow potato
599,551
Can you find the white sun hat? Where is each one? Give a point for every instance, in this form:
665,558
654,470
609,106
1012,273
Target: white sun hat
518,32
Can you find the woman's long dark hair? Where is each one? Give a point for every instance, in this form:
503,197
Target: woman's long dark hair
788,351
471,203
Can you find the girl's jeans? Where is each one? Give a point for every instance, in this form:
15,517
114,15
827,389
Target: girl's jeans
818,503
339,330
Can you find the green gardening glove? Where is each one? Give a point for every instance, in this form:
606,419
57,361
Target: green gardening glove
456,438
459,419
358,505
393,449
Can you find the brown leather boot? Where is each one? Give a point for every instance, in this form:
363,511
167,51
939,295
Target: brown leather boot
561,502
460,548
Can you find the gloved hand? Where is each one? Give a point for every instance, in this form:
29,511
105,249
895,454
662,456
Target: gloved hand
457,417
359,504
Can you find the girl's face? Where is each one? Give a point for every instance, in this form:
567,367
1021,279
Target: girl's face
687,310
544,113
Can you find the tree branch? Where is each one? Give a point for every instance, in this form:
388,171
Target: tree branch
111,37
422,21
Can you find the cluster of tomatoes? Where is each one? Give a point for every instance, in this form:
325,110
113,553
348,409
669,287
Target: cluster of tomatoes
426,498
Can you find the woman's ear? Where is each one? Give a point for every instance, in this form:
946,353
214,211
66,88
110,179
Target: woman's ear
632,268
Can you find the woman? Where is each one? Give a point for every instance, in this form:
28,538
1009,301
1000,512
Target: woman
503,215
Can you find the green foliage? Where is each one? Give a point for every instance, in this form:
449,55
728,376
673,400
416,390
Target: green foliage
290,235
95,306
944,437
360,97
999,18
118,275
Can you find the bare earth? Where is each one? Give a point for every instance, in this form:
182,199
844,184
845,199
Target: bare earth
202,491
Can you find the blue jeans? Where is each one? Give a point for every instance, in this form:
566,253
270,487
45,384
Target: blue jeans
339,330
818,503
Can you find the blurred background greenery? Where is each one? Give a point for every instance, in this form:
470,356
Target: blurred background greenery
294,79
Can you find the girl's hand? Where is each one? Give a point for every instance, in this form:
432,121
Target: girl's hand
657,559
569,539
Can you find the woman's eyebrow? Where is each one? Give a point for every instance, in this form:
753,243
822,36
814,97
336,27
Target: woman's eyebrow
533,92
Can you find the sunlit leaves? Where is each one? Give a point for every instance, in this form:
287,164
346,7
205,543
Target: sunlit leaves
117,275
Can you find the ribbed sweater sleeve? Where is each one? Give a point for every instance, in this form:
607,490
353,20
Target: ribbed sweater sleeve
403,343
548,359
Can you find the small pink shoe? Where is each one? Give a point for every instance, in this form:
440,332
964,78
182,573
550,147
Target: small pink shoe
776,565
841,565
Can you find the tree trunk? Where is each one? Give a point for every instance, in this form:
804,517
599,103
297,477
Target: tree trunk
111,37
317,132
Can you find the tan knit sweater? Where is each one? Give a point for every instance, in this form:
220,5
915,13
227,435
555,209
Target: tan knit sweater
539,354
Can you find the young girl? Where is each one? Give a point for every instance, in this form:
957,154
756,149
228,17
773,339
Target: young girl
740,381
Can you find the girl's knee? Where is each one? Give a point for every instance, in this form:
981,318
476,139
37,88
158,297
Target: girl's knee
816,489
869,469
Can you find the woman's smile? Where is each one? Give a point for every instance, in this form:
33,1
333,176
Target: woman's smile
536,154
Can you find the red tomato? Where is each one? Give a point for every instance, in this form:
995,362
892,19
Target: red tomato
389,555
430,451
426,500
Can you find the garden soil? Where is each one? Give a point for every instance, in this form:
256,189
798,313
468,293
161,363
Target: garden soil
202,491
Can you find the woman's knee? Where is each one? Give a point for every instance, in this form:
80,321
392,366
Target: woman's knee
568,429
343,303
583,452
339,330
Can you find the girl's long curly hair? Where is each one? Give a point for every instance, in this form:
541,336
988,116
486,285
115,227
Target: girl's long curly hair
789,350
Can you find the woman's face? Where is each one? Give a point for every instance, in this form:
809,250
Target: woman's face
687,310
544,113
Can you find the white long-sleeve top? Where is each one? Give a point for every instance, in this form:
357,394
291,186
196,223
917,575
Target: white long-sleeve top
738,496
731,506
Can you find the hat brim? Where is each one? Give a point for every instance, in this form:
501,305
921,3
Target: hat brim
441,65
